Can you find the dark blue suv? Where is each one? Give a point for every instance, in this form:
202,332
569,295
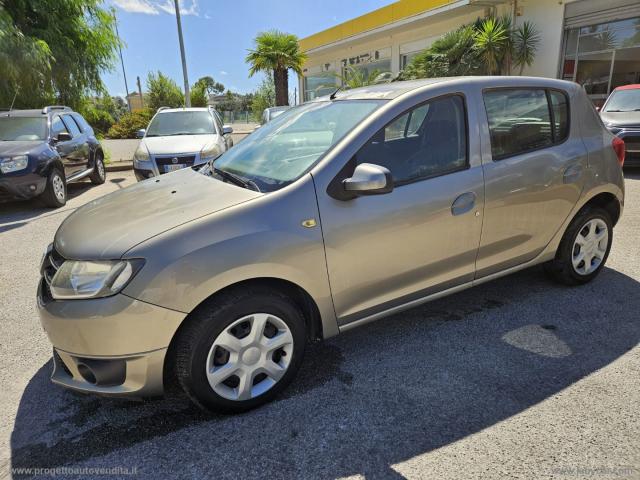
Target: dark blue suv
41,151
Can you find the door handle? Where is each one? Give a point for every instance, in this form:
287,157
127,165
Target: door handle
463,203
572,173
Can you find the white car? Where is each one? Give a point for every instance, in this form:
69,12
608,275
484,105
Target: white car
178,138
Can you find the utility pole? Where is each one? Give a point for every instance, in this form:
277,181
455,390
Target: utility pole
124,74
140,92
187,97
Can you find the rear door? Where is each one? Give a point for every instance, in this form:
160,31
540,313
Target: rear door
534,164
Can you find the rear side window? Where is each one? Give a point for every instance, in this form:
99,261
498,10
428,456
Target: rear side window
523,120
84,126
427,141
71,125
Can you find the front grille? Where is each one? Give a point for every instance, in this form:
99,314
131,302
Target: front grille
632,159
187,160
5,195
50,265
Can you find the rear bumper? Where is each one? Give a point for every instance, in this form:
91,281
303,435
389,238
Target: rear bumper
21,187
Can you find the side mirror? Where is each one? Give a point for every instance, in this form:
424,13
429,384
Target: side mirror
227,129
140,133
598,109
369,179
63,137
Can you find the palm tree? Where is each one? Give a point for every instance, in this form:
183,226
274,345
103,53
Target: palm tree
357,77
525,44
276,52
491,44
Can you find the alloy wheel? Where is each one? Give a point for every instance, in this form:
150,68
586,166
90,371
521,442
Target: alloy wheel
590,246
249,356
100,167
58,187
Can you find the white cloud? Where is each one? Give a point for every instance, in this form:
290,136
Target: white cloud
155,7
207,16
222,72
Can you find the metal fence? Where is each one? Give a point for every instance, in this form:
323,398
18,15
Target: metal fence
238,117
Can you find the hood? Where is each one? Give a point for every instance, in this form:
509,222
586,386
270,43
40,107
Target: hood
17,148
175,144
621,119
109,226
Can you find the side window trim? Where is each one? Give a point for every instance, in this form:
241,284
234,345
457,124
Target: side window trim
547,90
65,121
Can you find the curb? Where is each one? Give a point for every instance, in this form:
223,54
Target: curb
119,166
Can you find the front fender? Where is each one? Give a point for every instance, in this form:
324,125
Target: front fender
263,238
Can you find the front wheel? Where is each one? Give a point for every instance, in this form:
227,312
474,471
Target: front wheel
240,350
99,175
55,192
584,248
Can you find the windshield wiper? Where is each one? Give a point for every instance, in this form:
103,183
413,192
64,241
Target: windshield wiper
237,179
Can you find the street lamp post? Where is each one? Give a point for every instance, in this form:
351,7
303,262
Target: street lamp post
187,97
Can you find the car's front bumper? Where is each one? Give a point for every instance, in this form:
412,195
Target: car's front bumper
156,165
111,346
631,137
21,186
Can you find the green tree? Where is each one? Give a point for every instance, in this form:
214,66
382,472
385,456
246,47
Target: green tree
163,91
263,97
525,44
130,123
203,89
54,51
276,52
491,43
198,96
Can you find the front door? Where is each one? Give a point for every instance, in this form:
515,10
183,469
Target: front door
387,250
534,174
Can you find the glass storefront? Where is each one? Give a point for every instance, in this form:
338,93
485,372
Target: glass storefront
319,85
602,57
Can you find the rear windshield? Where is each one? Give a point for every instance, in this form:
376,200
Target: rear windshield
24,129
181,123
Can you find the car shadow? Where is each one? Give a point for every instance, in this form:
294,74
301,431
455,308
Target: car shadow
365,400
23,211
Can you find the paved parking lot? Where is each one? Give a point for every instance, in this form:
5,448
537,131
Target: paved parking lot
518,378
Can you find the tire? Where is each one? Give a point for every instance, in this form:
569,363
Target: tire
99,174
562,268
55,192
206,370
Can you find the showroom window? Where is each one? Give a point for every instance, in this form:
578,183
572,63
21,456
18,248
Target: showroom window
319,85
602,57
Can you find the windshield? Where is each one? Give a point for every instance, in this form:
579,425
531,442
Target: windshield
624,101
285,148
181,123
23,128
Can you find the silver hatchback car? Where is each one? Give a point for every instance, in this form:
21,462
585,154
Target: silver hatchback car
336,213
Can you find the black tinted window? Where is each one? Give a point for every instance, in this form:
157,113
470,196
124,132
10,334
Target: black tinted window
560,107
71,125
519,121
428,140
57,126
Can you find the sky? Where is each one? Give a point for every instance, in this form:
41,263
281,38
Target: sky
217,35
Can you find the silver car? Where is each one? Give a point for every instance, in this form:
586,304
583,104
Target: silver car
338,212
178,138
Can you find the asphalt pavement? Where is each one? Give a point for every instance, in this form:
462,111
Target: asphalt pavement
517,378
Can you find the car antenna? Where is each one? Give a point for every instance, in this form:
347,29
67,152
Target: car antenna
14,99
333,95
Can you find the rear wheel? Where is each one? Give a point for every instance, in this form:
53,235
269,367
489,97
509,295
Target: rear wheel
99,175
241,350
55,192
584,248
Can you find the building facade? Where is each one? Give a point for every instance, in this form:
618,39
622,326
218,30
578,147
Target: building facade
593,42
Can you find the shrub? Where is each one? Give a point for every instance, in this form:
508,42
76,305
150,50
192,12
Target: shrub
130,123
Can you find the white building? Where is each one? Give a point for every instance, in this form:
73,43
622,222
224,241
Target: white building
593,42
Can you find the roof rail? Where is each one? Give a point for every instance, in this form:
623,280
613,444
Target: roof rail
50,108
163,108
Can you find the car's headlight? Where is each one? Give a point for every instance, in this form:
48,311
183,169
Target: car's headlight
209,152
141,154
14,164
86,279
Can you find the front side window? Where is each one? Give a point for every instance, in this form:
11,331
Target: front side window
181,123
427,141
519,121
57,127
288,146
22,129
